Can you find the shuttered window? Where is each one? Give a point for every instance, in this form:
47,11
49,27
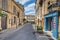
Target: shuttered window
14,20
18,13
14,9
5,4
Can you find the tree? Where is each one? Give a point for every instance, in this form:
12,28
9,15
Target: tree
2,14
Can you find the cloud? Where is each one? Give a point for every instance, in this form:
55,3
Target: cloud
29,2
28,6
22,1
30,9
31,12
33,4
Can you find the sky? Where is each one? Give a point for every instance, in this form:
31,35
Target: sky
28,6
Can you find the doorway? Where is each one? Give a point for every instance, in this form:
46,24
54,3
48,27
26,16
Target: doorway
4,22
50,24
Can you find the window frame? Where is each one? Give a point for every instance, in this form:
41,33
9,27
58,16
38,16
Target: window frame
5,4
14,9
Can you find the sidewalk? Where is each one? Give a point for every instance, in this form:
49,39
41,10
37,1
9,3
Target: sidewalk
7,32
43,36
25,33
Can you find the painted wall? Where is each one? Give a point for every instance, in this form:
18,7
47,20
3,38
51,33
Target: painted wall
54,30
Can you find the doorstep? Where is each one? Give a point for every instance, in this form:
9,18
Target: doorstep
50,34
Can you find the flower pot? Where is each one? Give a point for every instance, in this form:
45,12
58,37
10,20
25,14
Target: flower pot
40,31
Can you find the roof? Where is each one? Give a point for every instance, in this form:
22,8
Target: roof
18,4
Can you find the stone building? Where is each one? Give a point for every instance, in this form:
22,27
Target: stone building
49,14
30,18
38,15
13,14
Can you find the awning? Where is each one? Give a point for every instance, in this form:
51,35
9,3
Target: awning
51,14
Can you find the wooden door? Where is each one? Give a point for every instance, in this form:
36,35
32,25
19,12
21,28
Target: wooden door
4,23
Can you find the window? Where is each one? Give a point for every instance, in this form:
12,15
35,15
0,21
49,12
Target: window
9,21
41,2
18,14
14,20
14,9
48,3
19,20
4,4
57,0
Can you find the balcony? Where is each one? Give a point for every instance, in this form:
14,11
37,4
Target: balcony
54,6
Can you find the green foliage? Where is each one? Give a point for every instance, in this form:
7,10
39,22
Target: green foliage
39,28
2,14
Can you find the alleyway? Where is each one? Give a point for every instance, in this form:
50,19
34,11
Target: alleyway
25,33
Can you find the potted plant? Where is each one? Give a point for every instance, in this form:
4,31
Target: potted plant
39,29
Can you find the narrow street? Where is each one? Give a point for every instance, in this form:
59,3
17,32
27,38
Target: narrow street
26,33
29,19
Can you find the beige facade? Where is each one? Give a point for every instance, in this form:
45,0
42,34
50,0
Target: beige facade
42,9
38,13
30,18
14,14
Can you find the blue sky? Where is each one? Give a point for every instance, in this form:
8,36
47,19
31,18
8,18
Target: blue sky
28,6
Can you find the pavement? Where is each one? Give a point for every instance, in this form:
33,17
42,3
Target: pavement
7,32
23,33
43,36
